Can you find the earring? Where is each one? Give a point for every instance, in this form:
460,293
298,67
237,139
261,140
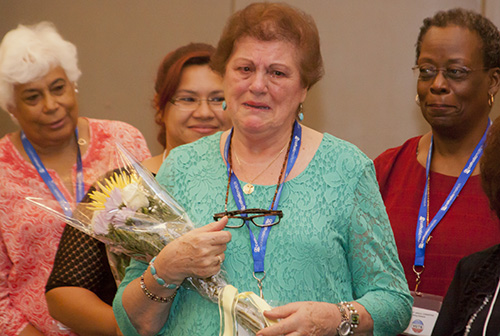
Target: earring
491,99
301,114
14,119
224,105
417,100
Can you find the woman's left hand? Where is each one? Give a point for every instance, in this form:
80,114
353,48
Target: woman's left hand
303,318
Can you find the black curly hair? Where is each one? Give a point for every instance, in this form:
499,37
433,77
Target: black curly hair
475,22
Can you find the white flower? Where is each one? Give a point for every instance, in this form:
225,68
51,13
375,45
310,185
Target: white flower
133,197
100,222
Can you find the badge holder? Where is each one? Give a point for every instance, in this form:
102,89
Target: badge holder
425,311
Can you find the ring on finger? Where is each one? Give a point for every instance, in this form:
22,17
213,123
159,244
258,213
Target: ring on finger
220,259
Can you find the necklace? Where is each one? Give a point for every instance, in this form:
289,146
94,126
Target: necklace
229,160
468,327
249,187
259,245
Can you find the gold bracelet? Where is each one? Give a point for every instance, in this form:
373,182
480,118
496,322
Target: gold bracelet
154,297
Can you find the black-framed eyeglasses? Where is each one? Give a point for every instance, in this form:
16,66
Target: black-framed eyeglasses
427,72
191,103
259,217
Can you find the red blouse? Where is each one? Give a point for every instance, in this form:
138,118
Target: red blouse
469,225
29,236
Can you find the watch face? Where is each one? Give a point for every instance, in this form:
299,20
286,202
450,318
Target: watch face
344,328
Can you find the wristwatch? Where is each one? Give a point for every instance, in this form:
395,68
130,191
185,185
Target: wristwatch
344,328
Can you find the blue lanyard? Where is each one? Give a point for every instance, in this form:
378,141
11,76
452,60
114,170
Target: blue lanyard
424,230
35,160
259,245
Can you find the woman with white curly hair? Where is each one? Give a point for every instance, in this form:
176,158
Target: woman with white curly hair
55,155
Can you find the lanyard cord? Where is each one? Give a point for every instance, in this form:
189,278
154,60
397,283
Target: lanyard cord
424,227
259,245
49,182
230,165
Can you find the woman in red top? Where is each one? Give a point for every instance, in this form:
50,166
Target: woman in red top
457,64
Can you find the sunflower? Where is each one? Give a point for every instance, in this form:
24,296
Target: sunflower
101,196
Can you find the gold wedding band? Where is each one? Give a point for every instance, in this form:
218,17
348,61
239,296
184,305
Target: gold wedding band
220,259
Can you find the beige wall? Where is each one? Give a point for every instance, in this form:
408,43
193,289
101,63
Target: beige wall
366,97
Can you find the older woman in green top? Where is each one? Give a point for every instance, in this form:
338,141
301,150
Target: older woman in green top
331,258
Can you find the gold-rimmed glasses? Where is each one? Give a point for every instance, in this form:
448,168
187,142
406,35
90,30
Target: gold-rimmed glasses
191,103
259,217
427,72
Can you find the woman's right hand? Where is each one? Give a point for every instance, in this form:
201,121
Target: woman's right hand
199,253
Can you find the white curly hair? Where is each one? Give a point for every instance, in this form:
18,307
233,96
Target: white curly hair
28,53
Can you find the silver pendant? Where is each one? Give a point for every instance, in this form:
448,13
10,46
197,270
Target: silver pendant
248,188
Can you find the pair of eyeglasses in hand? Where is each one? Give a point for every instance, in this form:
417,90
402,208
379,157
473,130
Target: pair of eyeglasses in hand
259,217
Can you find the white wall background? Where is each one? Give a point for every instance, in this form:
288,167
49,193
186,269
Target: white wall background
366,97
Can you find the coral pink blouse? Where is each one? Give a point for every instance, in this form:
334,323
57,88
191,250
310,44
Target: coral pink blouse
29,236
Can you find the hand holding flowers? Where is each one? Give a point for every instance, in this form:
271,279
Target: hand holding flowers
133,215
196,254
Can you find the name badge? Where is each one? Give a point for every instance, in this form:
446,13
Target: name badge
425,312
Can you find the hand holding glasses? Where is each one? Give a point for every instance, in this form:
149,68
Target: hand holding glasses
259,217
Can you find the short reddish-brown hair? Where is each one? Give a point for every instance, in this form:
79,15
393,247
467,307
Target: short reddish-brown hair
169,76
274,22
490,167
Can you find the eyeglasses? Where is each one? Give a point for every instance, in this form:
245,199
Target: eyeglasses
189,104
427,72
238,218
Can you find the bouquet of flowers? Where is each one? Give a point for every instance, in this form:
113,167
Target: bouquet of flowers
133,215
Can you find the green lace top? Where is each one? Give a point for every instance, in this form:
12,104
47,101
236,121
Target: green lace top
333,244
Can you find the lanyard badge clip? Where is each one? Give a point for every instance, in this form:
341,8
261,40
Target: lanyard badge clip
259,282
418,270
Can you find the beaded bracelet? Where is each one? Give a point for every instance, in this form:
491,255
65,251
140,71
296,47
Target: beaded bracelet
353,315
343,311
159,280
345,327
154,297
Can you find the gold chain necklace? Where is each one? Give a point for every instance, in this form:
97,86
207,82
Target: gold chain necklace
249,187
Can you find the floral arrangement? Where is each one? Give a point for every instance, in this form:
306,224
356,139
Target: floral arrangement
133,215
127,216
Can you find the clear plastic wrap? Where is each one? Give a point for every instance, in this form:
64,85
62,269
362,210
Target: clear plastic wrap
133,215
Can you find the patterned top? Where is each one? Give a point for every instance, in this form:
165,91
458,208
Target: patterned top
82,261
334,242
29,236
469,226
